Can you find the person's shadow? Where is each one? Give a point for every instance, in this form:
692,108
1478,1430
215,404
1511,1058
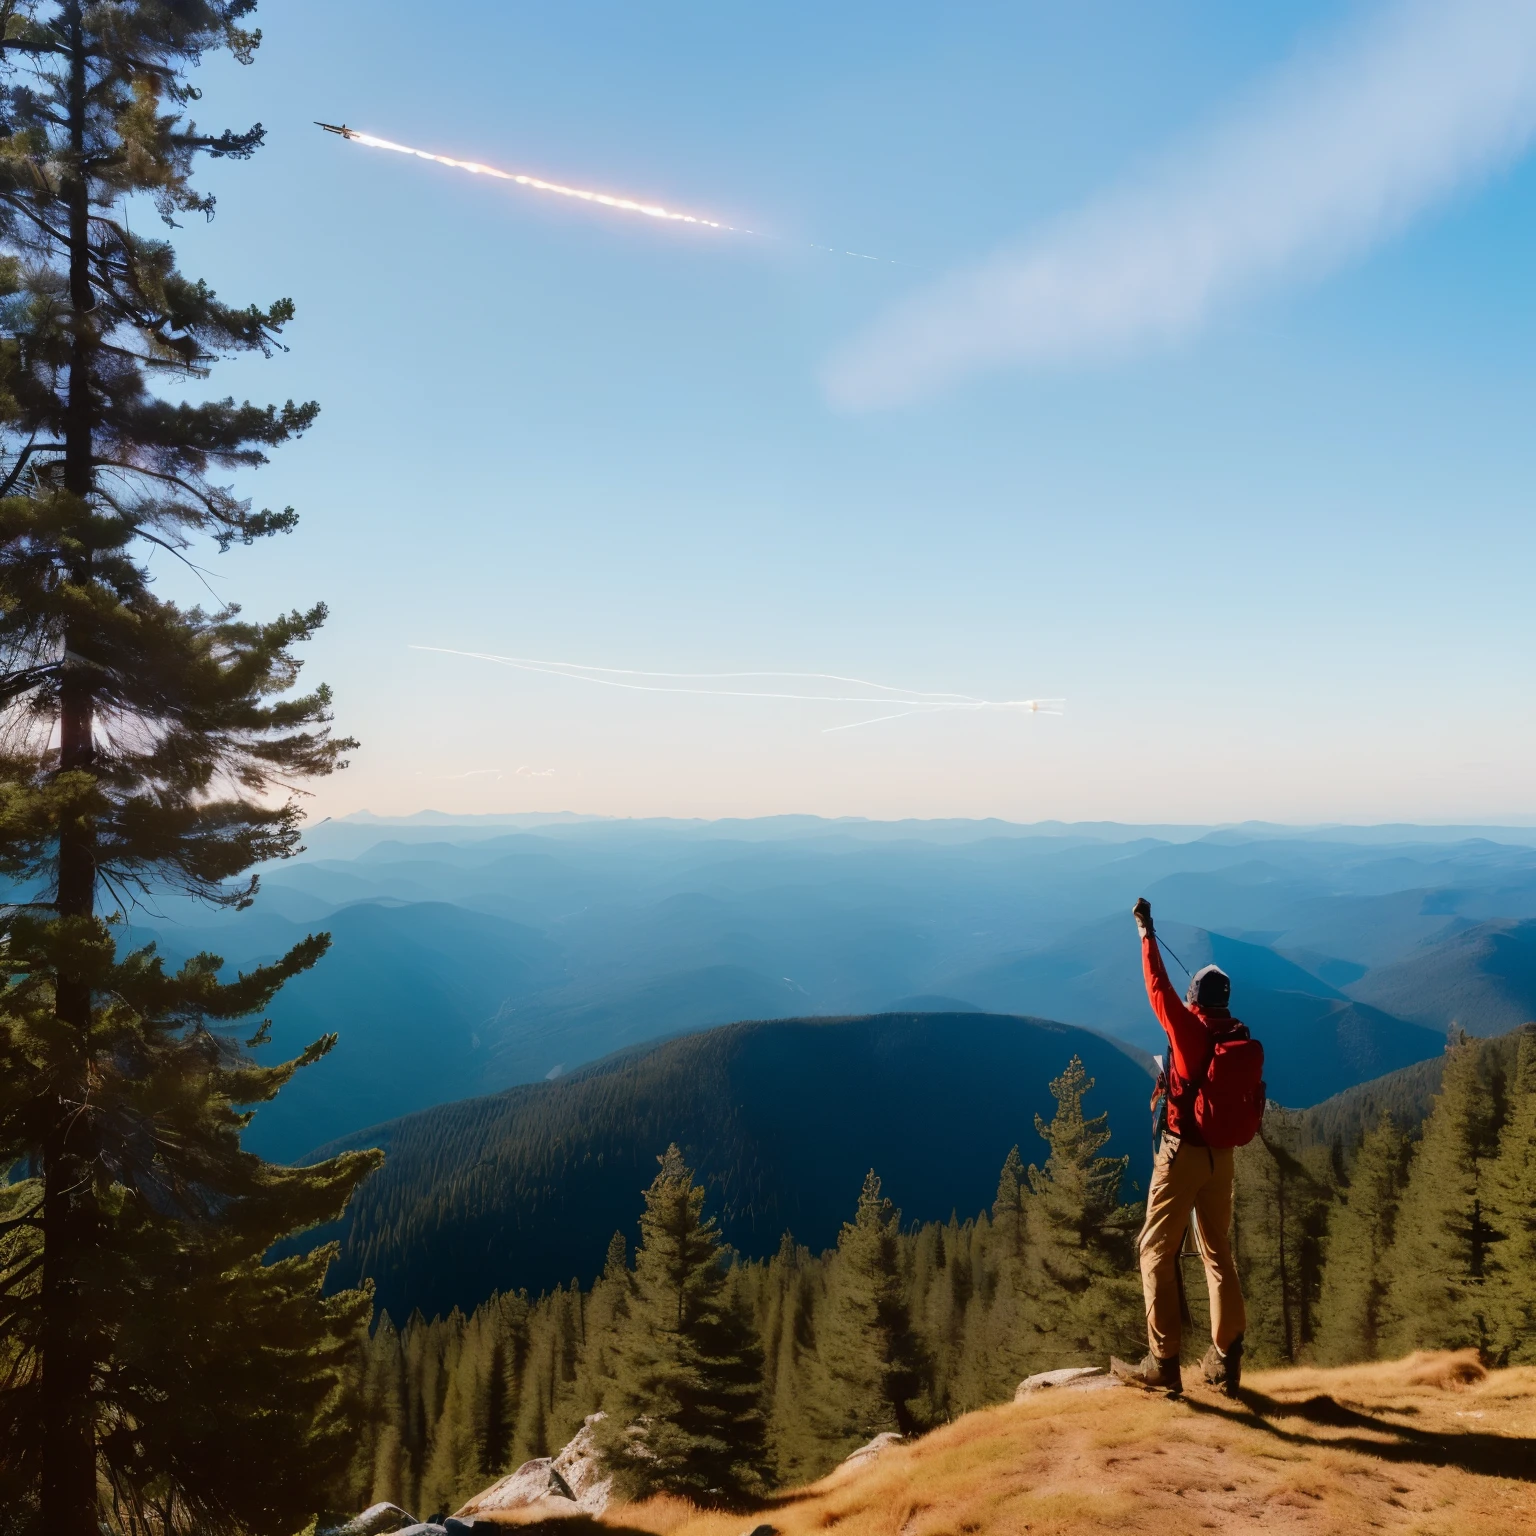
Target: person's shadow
1472,1450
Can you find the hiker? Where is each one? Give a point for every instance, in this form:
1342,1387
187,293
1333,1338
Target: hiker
1212,1101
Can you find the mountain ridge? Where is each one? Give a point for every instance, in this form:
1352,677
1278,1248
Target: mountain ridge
781,1119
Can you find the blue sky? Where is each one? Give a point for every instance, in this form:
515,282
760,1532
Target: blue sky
1275,557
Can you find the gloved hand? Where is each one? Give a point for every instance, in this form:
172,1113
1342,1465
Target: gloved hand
1142,912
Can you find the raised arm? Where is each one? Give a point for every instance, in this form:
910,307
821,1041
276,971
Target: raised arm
1186,1035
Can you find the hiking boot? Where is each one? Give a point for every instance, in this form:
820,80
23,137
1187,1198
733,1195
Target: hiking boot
1153,1374
1224,1370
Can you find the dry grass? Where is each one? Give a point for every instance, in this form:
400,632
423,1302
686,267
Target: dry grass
1431,1445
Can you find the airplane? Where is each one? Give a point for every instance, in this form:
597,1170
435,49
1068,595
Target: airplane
341,128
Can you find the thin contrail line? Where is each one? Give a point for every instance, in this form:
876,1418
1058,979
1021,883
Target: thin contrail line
853,725
539,184
921,701
610,200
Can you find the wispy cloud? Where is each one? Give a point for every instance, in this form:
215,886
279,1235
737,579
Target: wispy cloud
773,686
1337,152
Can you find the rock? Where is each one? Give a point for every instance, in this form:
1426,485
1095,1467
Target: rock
579,1469
876,1448
376,1520
574,1478
472,1527
423,1528
1077,1377
532,1481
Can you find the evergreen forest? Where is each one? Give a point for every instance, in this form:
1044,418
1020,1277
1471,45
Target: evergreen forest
1409,1236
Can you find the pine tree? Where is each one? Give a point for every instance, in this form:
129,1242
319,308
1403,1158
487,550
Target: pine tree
1282,1198
1360,1232
453,1461
421,1406
687,1412
1083,1283
1511,1186
876,1371
796,1293
1439,1261
1008,1209
1002,1345
538,1422
607,1312
155,1358
382,1466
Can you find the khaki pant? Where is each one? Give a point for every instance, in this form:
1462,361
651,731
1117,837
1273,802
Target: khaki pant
1187,1179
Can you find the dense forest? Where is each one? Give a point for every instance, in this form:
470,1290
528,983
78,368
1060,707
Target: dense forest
779,1119
1405,1237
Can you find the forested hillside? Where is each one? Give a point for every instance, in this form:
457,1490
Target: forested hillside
781,1120
1404,1096
1347,1253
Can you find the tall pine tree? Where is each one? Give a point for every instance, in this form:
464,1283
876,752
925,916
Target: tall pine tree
1001,1344
1360,1233
606,1312
1081,1246
686,1412
151,1356
1439,1261
1512,1218
1282,1196
793,1291
875,1369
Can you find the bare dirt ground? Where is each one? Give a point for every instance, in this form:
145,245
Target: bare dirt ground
1428,1445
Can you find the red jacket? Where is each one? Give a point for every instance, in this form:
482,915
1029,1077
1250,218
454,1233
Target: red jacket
1189,1042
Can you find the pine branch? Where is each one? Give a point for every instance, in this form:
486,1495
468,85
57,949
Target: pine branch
26,1219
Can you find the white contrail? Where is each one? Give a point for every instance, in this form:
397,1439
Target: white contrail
581,194
538,184
1337,152
913,701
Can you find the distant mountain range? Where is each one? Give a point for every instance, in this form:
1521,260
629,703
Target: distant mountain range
469,957
781,1119
1483,979
1317,1041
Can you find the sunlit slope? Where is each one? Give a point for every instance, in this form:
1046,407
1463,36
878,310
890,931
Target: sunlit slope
1396,1448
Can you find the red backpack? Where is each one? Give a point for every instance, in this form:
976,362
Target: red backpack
1229,1096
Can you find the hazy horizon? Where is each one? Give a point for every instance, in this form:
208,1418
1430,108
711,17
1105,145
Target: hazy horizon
432,815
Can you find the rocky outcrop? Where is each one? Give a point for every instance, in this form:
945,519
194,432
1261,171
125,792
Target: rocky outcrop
532,1481
376,1520
570,1483
873,1451
1079,1377
580,1469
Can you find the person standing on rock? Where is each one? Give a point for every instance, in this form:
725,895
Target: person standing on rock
1214,1102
